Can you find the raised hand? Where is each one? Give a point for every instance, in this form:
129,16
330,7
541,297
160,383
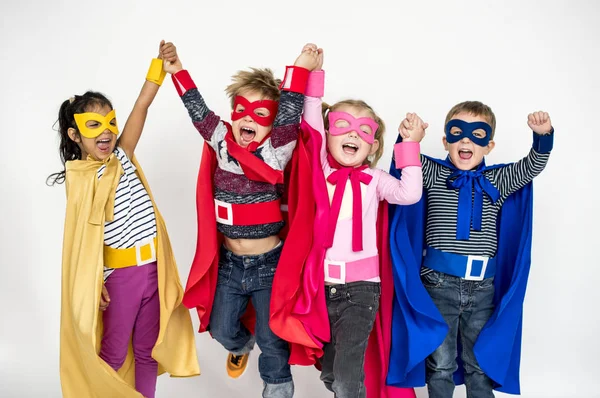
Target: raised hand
539,122
412,128
171,62
309,57
319,59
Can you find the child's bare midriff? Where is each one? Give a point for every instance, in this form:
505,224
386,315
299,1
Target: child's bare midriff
250,247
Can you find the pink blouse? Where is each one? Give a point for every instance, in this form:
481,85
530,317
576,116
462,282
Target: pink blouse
383,186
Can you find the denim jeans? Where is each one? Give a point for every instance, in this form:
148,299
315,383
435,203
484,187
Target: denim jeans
466,306
352,308
244,278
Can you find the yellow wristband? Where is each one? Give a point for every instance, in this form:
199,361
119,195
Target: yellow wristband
156,73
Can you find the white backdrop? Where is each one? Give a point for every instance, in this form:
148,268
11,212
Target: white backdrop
516,56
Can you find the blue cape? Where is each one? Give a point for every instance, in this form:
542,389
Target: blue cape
417,326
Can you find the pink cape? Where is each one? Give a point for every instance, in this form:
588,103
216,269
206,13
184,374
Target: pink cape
298,307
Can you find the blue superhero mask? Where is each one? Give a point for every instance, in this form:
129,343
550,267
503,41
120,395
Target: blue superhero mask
467,131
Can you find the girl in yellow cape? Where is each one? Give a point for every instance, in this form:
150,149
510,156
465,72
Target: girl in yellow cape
122,322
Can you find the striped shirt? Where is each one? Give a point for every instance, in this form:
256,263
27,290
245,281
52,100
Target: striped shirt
134,218
442,204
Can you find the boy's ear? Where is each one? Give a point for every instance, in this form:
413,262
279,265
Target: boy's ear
490,146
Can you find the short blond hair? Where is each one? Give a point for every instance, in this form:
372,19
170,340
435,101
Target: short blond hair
360,104
258,80
474,108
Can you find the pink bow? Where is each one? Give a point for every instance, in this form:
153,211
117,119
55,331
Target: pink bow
339,178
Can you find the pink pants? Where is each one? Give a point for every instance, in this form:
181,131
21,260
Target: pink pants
133,313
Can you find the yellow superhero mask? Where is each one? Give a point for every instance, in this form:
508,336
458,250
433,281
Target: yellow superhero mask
91,124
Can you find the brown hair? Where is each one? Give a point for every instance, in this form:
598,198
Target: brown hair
475,108
258,80
359,104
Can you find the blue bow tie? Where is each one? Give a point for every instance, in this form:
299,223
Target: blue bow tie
470,211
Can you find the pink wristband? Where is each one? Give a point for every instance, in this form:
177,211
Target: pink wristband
407,154
315,86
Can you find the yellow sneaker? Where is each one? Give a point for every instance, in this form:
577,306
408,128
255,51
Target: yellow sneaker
236,365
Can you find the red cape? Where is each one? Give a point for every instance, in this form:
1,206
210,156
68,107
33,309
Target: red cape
202,280
298,308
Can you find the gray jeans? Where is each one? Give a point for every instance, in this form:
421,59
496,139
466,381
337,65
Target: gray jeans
352,308
466,307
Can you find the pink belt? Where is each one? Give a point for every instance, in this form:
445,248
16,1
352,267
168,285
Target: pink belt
351,271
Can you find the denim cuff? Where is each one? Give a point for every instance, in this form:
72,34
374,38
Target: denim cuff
247,348
274,386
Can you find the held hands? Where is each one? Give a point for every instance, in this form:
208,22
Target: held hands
539,122
412,128
319,51
168,53
310,58
104,299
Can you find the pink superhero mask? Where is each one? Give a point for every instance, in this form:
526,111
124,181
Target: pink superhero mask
252,109
354,124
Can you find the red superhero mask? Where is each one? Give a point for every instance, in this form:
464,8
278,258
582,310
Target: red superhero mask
252,109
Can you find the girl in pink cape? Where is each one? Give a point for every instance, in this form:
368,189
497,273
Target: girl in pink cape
339,316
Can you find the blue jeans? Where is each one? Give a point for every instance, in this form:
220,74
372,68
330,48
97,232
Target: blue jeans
352,308
244,278
466,307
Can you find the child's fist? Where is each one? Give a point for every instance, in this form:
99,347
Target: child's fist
104,299
309,57
539,122
412,128
319,59
168,53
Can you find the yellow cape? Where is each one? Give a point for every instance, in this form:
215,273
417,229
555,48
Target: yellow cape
90,202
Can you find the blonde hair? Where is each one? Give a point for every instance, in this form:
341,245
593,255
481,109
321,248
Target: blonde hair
326,108
261,81
474,108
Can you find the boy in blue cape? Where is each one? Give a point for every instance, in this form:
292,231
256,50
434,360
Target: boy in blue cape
461,260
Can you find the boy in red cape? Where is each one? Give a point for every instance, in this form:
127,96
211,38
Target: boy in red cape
328,322
239,191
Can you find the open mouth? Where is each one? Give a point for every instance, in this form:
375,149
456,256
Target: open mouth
350,148
465,154
247,134
103,144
